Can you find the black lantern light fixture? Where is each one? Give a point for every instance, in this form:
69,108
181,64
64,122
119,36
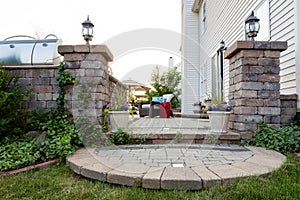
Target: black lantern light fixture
87,30
252,26
222,46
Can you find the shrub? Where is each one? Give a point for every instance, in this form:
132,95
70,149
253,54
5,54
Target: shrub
11,95
285,139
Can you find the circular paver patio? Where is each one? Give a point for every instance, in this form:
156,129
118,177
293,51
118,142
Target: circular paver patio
173,166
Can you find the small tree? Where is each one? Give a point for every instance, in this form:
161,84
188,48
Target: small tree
166,83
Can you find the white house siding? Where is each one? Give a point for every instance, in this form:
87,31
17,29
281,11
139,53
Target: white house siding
297,38
225,21
190,54
282,15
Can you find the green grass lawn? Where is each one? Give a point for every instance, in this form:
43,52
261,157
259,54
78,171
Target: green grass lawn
59,182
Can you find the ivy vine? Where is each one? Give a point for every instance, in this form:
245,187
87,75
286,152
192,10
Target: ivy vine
64,78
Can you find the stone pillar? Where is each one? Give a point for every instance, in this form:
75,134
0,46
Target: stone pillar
254,84
89,63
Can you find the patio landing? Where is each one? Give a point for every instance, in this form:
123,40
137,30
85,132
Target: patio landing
173,166
181,154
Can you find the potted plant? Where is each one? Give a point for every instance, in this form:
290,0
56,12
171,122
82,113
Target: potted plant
118,113
218,112
201,107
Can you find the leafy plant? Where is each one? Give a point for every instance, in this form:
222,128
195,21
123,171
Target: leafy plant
18,153
120,137
285,139
62,138
178,136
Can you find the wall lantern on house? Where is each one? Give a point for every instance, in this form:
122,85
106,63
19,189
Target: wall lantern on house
87,30
252,26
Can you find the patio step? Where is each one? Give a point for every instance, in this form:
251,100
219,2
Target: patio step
179,130
188,137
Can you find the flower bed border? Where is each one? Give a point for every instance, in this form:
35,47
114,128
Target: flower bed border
40,165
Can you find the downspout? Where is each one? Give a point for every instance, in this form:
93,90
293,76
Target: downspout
220,53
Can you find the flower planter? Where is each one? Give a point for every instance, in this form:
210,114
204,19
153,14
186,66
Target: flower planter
118,119
200,110
218,121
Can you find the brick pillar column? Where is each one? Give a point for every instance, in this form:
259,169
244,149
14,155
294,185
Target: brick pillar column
254,84
89,64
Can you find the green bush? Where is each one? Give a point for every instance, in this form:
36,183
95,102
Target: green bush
12,118
18,150
285,139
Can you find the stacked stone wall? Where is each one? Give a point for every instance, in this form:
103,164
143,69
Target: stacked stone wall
41,80
94,85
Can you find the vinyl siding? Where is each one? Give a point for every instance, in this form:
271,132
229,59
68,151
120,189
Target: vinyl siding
190,49
225,21
282,15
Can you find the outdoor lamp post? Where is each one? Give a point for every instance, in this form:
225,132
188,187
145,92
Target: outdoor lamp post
87,30
252,26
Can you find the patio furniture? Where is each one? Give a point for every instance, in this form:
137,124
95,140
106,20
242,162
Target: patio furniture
153,109
144,109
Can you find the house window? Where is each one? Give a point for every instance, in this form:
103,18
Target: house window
203,18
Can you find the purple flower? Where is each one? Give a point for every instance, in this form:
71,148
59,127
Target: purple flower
124,107
220,107
197,103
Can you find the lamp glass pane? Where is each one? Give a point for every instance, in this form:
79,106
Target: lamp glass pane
252,26
247,27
